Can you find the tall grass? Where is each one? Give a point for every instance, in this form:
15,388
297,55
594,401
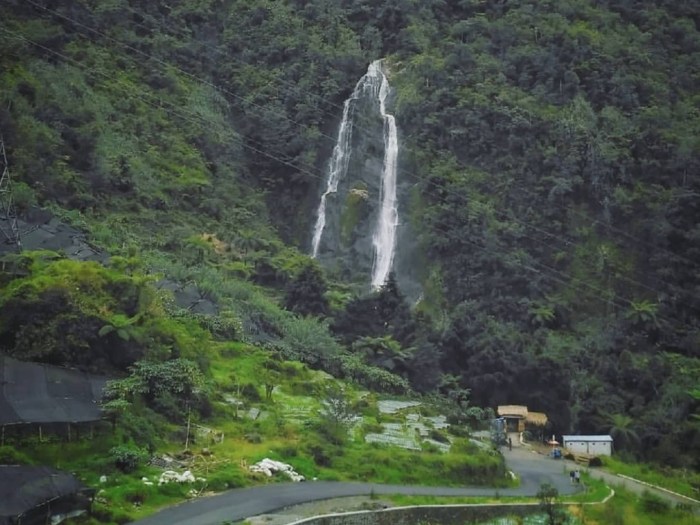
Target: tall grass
626,508
682,481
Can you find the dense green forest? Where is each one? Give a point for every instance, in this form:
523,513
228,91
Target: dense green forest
553,152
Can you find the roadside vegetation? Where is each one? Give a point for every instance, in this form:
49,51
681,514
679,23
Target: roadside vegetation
627,508
183,389
682,481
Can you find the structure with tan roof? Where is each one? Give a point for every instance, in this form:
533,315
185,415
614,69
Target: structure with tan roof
518,416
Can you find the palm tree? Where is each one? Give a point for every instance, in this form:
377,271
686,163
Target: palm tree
643,313
125,327
620,429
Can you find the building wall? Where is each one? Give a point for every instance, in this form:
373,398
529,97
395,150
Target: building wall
593,448
436,515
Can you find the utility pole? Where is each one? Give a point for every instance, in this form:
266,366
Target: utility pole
8,212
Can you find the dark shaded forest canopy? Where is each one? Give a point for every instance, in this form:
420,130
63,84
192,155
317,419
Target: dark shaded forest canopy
553,151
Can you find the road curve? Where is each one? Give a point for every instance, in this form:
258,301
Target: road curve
239,504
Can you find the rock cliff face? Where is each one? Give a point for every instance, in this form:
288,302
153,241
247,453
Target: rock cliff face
352,212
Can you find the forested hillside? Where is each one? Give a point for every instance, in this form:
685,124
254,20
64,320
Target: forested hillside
552,151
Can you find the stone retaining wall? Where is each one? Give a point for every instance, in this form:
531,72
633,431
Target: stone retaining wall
435,515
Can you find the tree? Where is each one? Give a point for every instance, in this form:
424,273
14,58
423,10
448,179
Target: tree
450,387
378,314
336,412
620,428
270,378
305,294
383,352
642,314
180,378
550,506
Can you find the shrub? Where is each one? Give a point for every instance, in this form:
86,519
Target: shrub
438,436
372,428
127,457
250,392
226,479
431,448
595,462
136,496
141,427
463,446
301,388
253,437
321,452
10,456
654,504
458,431
287,451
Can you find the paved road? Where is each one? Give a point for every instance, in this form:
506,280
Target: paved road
239,504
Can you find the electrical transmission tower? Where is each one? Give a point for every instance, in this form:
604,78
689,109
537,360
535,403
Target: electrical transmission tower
8,212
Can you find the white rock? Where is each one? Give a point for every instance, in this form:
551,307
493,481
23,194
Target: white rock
170,476
269,466
187,477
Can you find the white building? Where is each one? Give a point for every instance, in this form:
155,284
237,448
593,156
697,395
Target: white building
591,445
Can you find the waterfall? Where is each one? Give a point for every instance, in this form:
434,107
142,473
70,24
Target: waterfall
336,169
338,165
384,238
374,84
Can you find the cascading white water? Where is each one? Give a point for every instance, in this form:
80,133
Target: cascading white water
384,238
376,84
338,165
336,169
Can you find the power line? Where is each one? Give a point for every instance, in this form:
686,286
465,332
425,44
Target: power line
182,32
167,64
308,170
8,212
328,137
561,277
202,120
547,271
159,103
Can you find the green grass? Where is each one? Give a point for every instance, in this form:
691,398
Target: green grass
125,497
681,481
626,508
360,461
237,362
595,492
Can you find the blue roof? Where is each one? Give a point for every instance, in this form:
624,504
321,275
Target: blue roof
587,438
